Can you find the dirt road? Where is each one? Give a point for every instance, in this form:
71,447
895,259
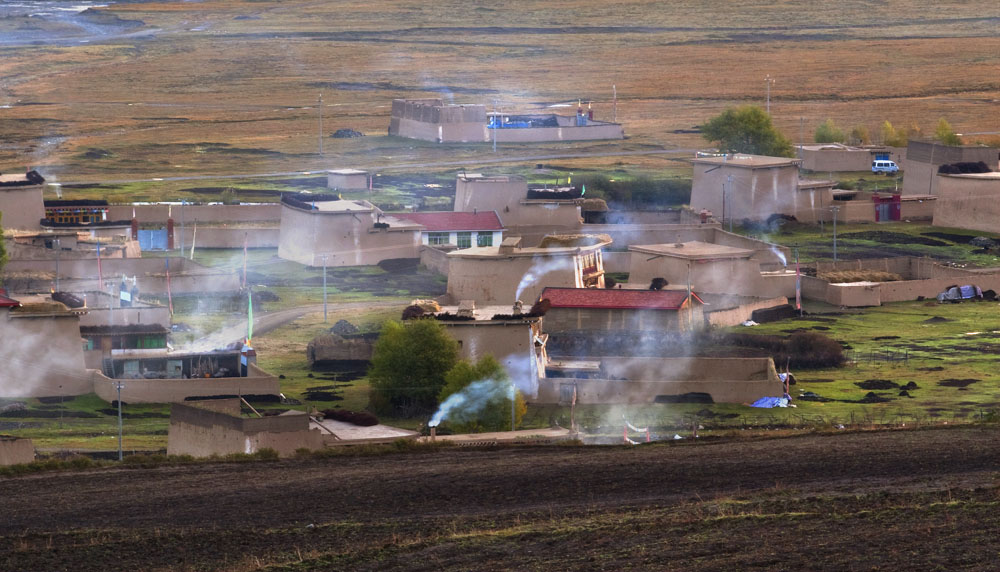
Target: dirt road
565,505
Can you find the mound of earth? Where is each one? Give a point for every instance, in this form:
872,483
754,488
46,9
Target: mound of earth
936,320
877,384
347,134
952,382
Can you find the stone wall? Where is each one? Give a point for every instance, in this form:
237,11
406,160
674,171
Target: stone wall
202,432
641,380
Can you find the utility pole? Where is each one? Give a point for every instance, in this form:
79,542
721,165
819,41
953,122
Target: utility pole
182,227
495,126
835,209
324,288
769,81
58,248
118,386
321,123
614,105
729,179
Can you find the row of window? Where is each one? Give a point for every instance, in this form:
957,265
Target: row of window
75,218
462,239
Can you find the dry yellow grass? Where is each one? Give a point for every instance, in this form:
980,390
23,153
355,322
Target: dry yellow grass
243,77
846,276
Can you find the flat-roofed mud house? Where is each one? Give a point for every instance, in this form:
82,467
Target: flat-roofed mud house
499,275
595,309
707,267
970,200
347,233
347,179
159,376
756,187
510,335
21,200
41,350
433,120
529,212
924,158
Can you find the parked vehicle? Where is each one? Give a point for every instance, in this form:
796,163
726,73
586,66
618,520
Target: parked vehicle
887,167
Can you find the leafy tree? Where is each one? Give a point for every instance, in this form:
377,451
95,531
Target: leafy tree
860,135
827,132
747,129
409,366
945,134
892,137
485,390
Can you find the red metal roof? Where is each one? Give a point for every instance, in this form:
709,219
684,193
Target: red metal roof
6,302
452,221
616,299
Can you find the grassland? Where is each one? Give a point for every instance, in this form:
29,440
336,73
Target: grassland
224,85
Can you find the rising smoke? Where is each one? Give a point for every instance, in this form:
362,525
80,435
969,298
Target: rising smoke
540,269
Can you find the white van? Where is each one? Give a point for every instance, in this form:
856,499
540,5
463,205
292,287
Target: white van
887,167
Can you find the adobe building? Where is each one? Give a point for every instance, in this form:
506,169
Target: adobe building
499,275
509,334
924,158
41,350
837,157
712,268
593,309
159,376
21,202
635,380
433,120
530,212
346,233
542,127
347,179
216,427
970,201
16,451
459,229
756,187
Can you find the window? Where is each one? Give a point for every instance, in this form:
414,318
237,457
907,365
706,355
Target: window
437,238
484,239
464,239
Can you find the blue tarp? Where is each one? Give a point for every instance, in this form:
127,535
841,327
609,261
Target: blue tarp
769,402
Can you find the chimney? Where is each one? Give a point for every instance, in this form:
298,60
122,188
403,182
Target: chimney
434,432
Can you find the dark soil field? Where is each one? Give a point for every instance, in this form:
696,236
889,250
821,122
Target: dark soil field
900,500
